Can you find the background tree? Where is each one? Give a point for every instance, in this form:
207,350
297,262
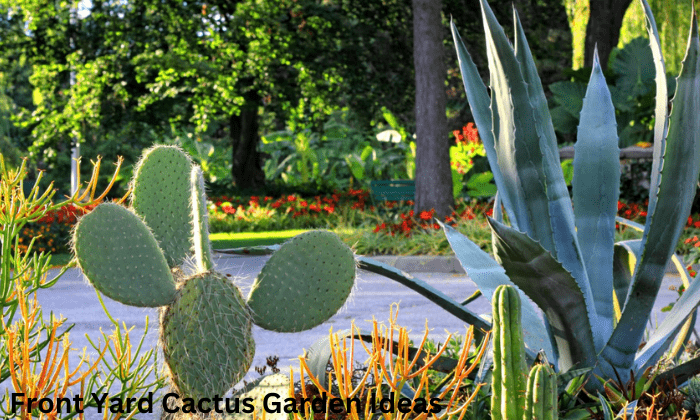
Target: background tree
603,28
433,173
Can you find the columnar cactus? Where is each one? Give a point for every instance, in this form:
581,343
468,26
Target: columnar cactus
541,396
509,367
135,256
515,395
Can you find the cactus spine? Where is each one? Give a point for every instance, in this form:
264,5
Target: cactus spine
130,255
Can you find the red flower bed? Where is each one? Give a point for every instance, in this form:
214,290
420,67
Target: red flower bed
52,232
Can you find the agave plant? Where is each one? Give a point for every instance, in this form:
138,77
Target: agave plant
562,256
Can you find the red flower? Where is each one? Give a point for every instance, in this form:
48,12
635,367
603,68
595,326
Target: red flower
291,198
426,215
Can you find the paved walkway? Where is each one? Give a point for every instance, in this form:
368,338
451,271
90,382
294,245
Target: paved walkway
372,297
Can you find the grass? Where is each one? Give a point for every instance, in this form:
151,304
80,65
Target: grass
224,240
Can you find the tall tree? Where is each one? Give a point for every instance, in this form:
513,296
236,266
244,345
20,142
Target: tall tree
603,28
433,174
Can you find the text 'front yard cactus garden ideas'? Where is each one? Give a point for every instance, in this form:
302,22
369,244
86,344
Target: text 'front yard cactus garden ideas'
136,256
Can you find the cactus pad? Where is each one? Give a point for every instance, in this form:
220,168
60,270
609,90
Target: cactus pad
161,195
121,258
200,221
304,283
206,336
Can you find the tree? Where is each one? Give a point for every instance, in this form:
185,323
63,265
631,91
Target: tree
603,28
433,174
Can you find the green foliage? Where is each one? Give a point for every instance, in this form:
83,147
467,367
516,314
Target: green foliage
563,258
329,161
631,89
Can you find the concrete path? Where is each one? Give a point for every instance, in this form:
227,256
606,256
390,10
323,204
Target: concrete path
73,298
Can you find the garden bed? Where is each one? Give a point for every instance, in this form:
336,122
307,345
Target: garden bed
384,228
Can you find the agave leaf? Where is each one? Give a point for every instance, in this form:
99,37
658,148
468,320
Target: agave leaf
624,261
562,215
319,353
663,336
480,105
676,192
431,293
679,374
607,409
488,275
554,290
596,187
516,139
661,112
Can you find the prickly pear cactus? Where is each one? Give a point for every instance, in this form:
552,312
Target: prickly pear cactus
130,254
206,336
541,396
161,195
297,277
509,367
120,256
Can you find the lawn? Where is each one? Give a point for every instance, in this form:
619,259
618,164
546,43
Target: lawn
225,240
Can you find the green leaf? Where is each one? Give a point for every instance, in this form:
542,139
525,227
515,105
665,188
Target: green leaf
356,166
676,192
625,257
596,187
663,336
434,295
661,112
488,275
480,105
516,138
553,289
566,249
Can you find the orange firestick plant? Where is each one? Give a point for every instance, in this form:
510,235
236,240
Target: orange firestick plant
34,355
396,371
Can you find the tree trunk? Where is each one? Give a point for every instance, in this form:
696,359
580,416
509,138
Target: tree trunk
603,28
246,168
433,174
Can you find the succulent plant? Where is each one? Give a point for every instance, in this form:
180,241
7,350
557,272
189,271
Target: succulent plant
515,394
541,395
692,397
563,256
509,366
136,256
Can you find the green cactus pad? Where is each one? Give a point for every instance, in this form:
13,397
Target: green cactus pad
206,336
161,195
200,221
121,258
304,283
